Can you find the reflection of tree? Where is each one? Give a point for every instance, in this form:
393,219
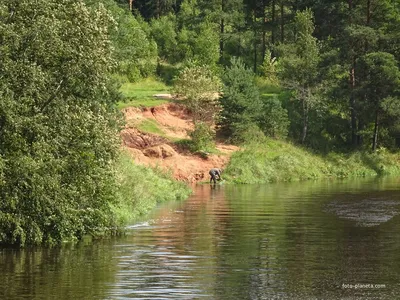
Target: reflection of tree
70,272
195,234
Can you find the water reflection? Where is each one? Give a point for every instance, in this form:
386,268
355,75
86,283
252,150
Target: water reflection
314,240
70,272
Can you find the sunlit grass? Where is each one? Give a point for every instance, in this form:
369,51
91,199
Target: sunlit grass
141,94
150,126
141,188
274,161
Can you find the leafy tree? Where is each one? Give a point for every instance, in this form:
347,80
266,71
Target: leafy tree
200,88
135,52
164,32
299,66
379,83
274,121
241,105
58,127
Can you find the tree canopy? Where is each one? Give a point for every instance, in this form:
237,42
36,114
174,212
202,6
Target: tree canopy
58,127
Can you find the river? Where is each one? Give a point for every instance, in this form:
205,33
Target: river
308,240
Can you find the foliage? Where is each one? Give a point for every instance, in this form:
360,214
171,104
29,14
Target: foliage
274,122
269,68
202,137
199,86
58,127
164,33
299,67
141,189
379,81
246,133
134,49
240,101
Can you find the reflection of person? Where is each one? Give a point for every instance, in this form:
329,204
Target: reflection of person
215,175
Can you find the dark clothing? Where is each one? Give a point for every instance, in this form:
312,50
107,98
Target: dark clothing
215,174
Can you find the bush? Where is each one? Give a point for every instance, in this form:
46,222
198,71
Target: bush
274,121
246,134
202,137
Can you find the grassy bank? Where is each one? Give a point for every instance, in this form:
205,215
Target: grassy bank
141,94
274,161
141,188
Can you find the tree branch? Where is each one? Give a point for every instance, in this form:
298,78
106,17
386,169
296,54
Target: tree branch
52,97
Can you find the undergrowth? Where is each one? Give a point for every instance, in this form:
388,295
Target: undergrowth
141,188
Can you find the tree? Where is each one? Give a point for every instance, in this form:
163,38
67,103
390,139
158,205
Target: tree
299,66
200,88
379,83
58,125
274,122
241,105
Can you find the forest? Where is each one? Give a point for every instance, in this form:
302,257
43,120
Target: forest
320,74
336,61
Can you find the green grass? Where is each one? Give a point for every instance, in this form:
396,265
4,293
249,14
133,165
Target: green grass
140,94
270,90
277,161
141,188
150,126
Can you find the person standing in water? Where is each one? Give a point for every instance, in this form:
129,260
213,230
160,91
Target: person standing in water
215,175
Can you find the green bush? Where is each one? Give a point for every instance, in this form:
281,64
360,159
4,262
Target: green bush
246,134
202,137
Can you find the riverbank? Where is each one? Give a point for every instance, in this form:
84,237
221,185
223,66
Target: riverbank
141,188
155,167
279,161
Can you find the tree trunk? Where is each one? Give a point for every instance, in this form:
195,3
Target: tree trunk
222,31
273,22
375,138
130,5
353,111
255,41
282,23
263,30
305,122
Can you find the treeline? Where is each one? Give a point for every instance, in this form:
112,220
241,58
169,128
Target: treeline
339,61
322,73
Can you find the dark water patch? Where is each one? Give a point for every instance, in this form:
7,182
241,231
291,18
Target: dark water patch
365,212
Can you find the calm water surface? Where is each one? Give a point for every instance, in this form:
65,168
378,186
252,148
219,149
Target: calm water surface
313,240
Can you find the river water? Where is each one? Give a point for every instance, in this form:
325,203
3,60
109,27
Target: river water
308,240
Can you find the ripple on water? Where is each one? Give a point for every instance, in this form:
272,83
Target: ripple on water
365,212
